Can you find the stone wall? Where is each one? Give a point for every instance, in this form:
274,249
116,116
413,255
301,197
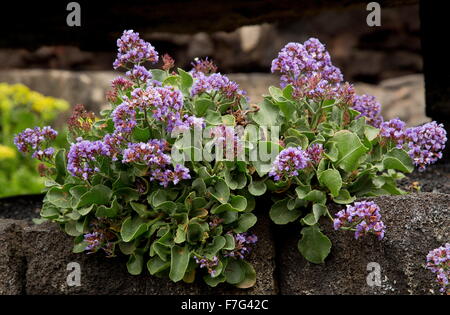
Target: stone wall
402,97
34,258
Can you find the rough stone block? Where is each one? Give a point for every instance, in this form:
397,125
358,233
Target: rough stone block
12,265
416,224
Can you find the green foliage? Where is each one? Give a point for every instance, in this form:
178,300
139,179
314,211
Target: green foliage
355,162
21,108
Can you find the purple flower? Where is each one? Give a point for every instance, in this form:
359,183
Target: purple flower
166,176
288,163
150,153
121,83
438,261
314,152
35,140
364,216
124,117
227,140
394,130
426,143
370,108
94,241
32,139
216,82
209,264
82,157
112,144
242,246
308,68
139,73
202,66
132,49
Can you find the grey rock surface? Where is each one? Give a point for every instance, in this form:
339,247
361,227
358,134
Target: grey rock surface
416,224
12,265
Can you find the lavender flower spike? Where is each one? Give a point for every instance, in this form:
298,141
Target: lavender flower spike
288,163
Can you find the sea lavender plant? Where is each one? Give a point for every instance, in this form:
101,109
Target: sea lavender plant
119,184
334,147
438,261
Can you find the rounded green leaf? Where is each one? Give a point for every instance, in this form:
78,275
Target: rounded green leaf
179,262
135,264
99,195
132,228
331,179
257,188
245,222
234,272
314,245
349,149
280,213
398,159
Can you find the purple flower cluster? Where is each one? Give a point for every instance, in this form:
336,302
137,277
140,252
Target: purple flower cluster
226,140
364,216
82,157
96,241
165,177
121,83
202,66
112,144
394,130
209,264
438,261
132,49
35,140
216,82
288,162
241,245
308,68
139,74
426,143
314,152
152,154
370,108
124,117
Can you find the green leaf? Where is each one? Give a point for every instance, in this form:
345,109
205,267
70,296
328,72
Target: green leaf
229,120
156,265
398,159
312,218
249,275
221,191
158,74
201,105
135,264
58,197
49,211
234,272
194,233
371,132
238,202
71,229
99,195
128,194
141,134
350,150
280,214
179,262
111,212
235,180
213,282
186,81
140,208
213,118
132,228
217,244
344,197
230,242
316,196
331,179
268,114
314,245
257,188
245,222
60,161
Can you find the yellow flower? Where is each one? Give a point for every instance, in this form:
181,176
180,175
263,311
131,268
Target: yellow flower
6,152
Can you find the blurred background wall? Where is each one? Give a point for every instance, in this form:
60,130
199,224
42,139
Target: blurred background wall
383,61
